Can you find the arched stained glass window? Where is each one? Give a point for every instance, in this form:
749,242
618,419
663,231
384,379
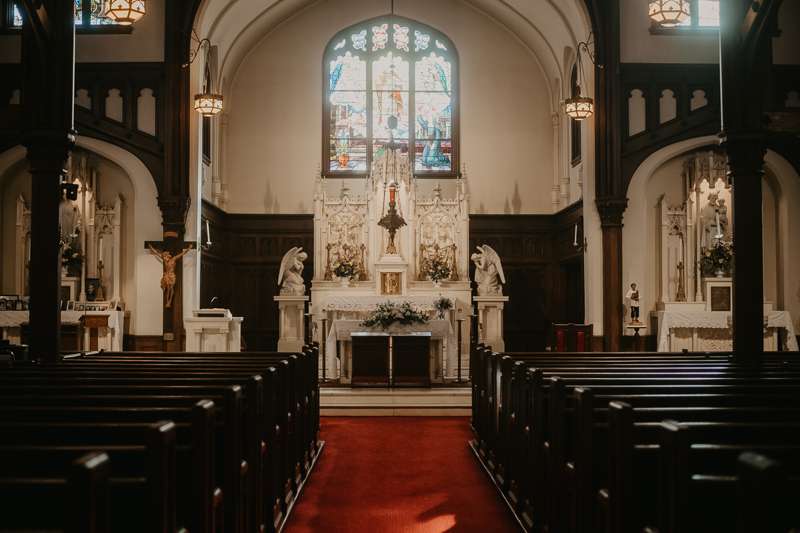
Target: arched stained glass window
391,78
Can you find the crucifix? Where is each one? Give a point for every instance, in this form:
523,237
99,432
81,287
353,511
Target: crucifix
170,251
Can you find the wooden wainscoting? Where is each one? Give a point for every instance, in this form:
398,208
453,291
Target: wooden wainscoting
242,265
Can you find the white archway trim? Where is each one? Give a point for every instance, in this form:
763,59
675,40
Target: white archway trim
788,221
143,296
634,231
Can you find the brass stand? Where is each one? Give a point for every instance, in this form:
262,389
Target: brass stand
324,352
328,274
100,295
309,327
681,293
454,273
362,276
458,377
27,279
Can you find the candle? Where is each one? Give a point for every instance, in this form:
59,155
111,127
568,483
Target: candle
575,242
101,249
719,229
208,233
680,250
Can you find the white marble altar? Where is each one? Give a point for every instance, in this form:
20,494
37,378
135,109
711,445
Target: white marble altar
213,330
708,331
443,345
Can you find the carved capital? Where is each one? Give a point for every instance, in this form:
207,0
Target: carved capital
48,151
611,210
174,210
745,151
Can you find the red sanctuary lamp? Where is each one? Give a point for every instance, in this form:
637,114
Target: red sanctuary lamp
392,189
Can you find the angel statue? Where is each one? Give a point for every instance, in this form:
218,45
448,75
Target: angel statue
290,277
487,270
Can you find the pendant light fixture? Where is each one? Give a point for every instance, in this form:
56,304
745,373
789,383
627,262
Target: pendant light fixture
669,13
579,107
124,12
207,103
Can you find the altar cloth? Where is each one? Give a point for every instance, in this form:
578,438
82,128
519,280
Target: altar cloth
341,331
369,303
719,320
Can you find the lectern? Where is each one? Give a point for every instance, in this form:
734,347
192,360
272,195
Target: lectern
213,330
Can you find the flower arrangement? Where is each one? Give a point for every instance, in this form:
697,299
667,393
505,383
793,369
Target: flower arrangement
71,256
388,314
717,257
345,268
436,268
441,305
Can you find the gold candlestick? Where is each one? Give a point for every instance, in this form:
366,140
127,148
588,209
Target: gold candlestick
328,274
681,297
100,296
27,279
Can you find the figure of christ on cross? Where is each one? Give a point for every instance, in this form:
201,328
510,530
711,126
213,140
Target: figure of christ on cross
168,280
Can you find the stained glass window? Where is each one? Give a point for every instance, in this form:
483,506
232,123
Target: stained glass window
17,16
391,78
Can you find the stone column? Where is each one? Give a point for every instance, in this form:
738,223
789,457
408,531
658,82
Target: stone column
611,210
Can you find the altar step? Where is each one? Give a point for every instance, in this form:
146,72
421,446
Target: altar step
344,401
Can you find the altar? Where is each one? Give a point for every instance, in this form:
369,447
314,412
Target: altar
109,339
707,331
442,344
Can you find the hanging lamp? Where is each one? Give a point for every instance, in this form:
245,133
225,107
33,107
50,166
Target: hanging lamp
124,12
208,103
579,107
669,13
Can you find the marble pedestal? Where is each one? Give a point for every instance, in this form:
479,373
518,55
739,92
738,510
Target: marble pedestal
291,322
490,321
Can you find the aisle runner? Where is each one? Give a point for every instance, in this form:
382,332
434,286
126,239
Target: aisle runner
398,474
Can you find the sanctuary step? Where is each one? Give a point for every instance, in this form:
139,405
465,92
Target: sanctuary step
341,401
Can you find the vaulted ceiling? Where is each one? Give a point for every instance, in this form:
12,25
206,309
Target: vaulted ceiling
549,29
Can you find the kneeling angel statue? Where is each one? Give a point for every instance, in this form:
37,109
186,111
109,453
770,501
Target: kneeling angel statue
290,277
487,270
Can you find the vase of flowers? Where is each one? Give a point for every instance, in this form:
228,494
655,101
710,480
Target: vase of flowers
345,269
437,269
717,259
71,259
442,304
386,315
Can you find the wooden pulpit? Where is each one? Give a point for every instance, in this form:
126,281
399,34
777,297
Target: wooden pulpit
91,325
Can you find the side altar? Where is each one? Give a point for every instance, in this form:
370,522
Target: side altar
390,230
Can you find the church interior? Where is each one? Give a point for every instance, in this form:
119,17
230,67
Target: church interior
361,238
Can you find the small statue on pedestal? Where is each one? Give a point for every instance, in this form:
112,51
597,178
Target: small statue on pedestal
290,277
633,301
487,269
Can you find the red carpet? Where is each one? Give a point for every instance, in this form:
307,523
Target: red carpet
398,474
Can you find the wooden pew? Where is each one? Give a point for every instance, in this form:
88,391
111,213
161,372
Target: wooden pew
76,497
143,473
500,413
127,398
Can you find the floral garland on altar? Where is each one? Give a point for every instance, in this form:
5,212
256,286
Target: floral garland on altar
386,315
442,304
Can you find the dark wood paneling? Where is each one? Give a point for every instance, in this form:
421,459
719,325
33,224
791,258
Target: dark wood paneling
543,271
242,265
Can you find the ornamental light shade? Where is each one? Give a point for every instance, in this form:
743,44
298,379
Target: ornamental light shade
579,107
208,104
125,12
669,13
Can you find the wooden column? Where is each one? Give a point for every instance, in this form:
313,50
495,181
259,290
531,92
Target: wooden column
611,211
173,214
746,161
48,58
746,30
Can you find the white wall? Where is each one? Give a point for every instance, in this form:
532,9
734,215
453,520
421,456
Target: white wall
275,102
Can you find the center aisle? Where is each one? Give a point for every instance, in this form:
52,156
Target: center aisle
398,474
